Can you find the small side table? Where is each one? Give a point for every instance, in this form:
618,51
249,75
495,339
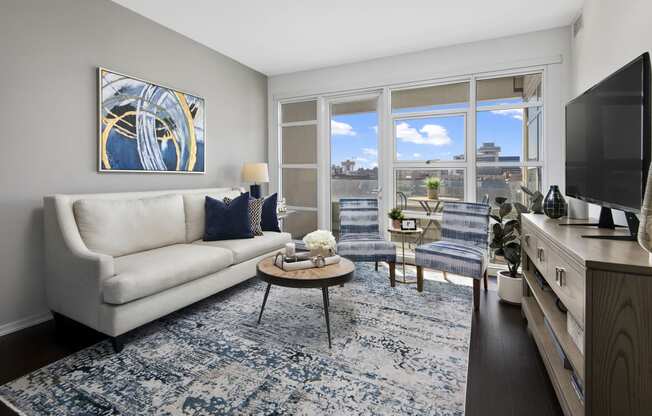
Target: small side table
403,234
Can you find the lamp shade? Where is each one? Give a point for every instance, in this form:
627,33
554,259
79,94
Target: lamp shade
255,172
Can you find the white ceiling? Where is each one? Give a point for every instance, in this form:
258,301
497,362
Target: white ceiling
281,36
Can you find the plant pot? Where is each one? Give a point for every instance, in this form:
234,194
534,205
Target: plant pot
510,289
324,252
433,193
396,224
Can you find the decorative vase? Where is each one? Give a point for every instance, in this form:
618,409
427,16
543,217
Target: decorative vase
645,227
433,193
554,206
396,224
510,289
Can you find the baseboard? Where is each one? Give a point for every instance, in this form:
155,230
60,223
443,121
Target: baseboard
23,323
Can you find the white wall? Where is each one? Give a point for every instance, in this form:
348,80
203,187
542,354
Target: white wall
49,53
549,48
614,32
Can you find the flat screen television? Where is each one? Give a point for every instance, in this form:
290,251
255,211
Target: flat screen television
608,141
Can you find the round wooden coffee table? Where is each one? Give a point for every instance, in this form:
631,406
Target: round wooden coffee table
323,277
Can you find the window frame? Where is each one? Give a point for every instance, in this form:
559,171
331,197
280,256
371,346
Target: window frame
279,143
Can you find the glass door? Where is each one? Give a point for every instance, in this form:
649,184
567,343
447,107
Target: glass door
354,146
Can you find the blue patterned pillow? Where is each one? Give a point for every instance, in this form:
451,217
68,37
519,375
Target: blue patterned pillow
227,221
269,219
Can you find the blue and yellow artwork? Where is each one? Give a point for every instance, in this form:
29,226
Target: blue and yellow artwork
145,127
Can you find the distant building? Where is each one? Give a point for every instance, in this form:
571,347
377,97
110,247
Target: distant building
347,167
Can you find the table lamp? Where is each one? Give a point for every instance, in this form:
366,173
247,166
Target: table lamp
256,173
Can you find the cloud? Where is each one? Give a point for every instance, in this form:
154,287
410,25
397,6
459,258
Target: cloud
341,129
416,154
361,159
375,128
369,152
432,134
516,113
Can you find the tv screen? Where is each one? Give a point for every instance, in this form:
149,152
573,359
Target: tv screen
608,139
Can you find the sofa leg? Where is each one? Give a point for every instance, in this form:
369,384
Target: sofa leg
419,278
376,266
118,343
485,279
476,294
392,274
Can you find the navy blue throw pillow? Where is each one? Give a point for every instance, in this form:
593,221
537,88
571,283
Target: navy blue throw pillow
268,219
227,221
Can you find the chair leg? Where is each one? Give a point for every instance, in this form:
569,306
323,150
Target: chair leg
476,294
376,266
446,276
485,279
420,278
392,274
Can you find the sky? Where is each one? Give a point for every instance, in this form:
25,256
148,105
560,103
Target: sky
354,136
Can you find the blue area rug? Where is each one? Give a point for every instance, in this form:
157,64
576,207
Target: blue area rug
395,352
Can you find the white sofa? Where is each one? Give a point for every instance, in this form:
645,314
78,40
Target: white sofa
116,261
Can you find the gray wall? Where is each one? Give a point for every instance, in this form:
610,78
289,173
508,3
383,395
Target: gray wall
49,52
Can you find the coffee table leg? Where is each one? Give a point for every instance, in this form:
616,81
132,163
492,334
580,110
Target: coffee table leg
264,301
324,291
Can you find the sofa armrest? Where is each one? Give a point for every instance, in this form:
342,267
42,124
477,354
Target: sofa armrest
74,274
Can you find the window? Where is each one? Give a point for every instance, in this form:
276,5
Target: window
430,140
410,183
433,139
509,121
482,136
298,169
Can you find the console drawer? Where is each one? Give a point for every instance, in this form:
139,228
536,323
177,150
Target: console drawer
530,244
568,283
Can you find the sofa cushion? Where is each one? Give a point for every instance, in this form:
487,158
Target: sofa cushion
144,274
193,204
123,226
228,221
255,212
247,248
269,216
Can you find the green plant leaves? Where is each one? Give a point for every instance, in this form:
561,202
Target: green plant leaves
505,209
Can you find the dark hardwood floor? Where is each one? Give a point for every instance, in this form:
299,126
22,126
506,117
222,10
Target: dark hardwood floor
506,375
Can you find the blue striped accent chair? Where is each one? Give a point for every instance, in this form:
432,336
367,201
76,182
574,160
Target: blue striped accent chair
462,249
360,238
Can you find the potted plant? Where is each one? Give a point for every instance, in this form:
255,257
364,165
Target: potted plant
506,242
396,215
432,185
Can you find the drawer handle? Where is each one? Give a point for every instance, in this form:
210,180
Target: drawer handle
559,275
540,254
526,238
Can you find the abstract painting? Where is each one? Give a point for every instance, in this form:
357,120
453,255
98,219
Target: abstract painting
145,127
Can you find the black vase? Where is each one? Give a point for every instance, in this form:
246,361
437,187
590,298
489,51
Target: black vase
554,206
